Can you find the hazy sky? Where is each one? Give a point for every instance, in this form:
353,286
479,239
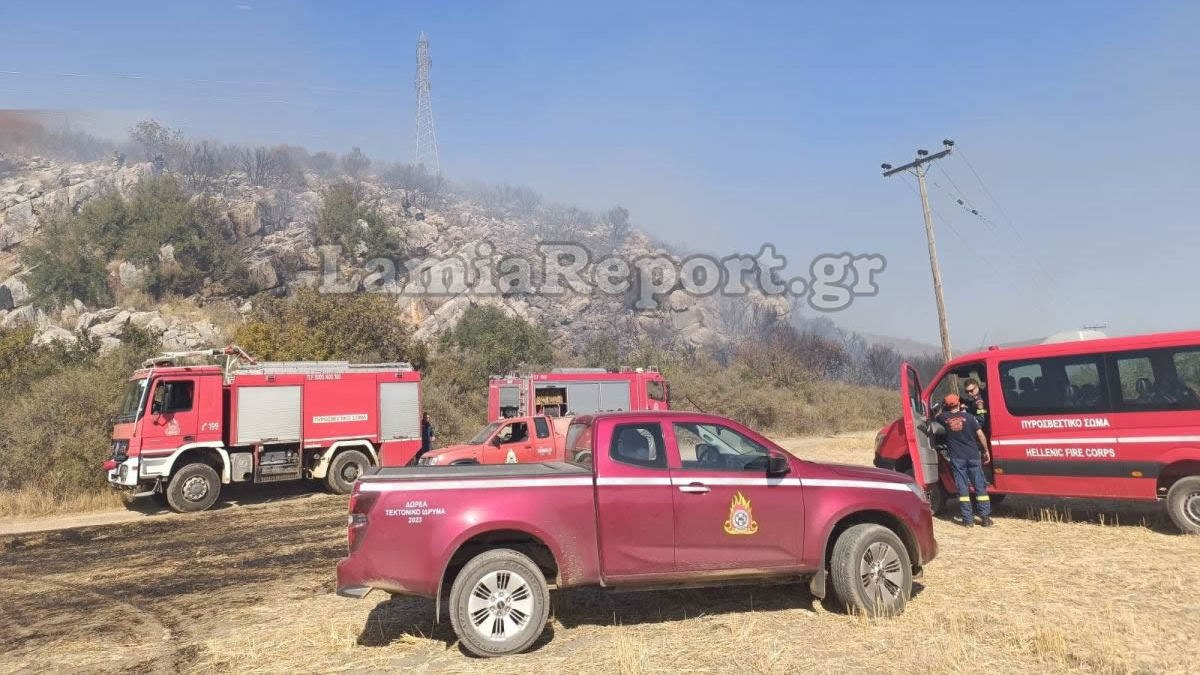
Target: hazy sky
721,127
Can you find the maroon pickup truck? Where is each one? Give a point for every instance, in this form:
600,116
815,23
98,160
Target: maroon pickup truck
646,499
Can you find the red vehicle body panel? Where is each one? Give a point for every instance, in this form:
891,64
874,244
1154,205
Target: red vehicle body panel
1111,454
585,391
533,448
618,524
333,406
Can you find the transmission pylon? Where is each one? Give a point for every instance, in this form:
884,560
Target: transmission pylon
427,149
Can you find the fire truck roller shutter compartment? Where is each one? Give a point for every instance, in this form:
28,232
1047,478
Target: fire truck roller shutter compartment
510,400
614,396
583,397
268,414
399,410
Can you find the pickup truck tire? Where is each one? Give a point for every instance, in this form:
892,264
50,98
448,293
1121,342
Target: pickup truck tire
195,487
871,570
344,470
499,603
1183,504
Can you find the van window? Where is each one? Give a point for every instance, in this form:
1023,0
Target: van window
639,444
1054,386
1159,379
954,381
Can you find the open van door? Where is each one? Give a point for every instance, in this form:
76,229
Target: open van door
916,423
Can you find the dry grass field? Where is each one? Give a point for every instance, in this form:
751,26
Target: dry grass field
1056,586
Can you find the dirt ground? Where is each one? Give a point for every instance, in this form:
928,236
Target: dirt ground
1087,587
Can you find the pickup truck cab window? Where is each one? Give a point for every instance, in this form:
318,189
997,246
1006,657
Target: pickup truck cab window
713,447
541,427
639,444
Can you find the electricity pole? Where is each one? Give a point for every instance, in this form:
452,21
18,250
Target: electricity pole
918,167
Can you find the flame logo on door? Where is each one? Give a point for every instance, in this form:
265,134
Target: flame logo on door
741,516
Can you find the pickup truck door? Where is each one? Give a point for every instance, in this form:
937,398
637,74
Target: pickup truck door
510,444
633,503
545,444
729,515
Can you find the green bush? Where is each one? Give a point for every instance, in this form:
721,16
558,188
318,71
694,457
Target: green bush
501,342
315,326
338,224
68,260
55,404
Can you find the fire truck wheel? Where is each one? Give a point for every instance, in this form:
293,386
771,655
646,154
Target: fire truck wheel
195,487
499,603
344,470
1183,503
871,571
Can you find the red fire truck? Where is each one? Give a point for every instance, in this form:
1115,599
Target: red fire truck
577,391
1111,418
183,431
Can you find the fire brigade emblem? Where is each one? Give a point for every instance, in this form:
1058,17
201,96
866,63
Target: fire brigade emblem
741,516
172,428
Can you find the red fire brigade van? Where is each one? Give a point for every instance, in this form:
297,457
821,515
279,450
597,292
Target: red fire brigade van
577,391
1111,418
185,430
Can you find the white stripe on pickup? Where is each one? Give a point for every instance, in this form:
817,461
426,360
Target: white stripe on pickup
489,484
1048,440
501,483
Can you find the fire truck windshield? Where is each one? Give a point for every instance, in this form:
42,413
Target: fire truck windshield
131,402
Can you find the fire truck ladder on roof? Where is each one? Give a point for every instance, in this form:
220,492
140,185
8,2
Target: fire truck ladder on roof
319,367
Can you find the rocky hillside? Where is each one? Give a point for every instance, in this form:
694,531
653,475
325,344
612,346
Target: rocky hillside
275,227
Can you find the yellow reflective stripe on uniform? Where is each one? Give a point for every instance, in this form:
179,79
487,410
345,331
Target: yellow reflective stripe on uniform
984,498
964,499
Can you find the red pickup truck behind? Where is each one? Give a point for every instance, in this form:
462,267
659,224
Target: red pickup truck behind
648,499
514,440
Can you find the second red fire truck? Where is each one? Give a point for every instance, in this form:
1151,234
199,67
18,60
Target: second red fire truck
184,431
577,391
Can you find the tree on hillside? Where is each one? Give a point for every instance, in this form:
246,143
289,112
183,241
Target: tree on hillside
319,327
356,163
348,219
502,342
154,139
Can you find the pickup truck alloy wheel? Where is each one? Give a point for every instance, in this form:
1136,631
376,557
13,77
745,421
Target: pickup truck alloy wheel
1183,503
195,487
499,603
871,571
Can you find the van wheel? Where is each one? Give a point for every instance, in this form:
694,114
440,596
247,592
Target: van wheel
195,487
871,571
499,603
344,470
1183,503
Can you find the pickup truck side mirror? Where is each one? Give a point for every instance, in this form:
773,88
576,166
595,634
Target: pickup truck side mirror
778,465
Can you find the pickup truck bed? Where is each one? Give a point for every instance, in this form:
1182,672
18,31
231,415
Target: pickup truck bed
469,471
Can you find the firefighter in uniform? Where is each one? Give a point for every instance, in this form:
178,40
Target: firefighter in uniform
964,443
974,403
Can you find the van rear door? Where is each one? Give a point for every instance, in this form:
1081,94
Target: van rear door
916,420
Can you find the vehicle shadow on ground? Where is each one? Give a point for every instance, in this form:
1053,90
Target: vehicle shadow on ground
401,617
1115,513
240,495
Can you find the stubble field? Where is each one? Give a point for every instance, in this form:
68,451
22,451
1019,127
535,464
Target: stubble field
1056,585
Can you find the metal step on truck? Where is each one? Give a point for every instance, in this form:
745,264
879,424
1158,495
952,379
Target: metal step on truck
184,431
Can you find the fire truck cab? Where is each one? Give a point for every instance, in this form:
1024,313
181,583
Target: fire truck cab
577,391
183,431
1110,418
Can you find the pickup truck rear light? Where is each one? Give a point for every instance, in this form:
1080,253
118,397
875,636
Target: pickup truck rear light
356,523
